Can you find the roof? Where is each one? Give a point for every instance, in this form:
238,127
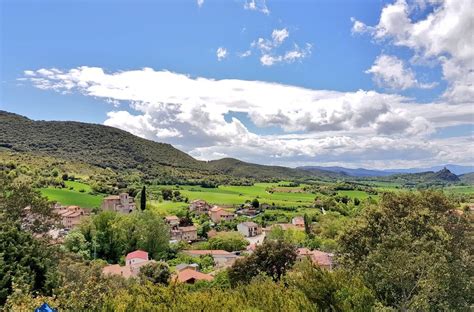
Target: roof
216,209
322,258
170,218
225,213
116,269
299,220
183,266
303,251
209,252
191,228
110,197
140,254
190,274
250,224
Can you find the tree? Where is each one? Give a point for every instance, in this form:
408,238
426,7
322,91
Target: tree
143,199
75,242
413,251
330,291
273,258
167,194
25,261
255,203
229,241
20,203
307,224
155,272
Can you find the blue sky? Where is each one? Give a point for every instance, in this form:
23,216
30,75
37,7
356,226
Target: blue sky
342,60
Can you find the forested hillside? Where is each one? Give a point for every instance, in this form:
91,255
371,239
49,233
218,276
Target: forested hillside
108,147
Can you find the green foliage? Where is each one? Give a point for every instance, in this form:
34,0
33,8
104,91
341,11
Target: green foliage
272,258
75,242
111,235
413,251
155,272
334,291
291,235
229,241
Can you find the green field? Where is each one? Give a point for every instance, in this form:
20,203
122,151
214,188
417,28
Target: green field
67,196
235,195
357,194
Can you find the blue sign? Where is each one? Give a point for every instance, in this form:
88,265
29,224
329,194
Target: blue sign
45,308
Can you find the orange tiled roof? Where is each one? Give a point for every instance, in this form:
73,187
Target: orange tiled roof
188,274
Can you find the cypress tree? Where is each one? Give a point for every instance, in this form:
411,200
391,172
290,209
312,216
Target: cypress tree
143,199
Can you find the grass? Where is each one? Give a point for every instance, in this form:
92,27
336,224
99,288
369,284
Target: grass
356,194
74,196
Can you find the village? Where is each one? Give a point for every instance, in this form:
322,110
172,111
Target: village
181,230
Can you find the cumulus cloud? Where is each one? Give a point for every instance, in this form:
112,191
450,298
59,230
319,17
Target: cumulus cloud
257,5
200,3
196,115
391,72
221,53
444,36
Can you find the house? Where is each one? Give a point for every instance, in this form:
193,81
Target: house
298,221
184,233
137,256
183,266
218,214
320,258
249,229
134,261
120,203
188,233
199,206
172,221
190,276
70,216
221,258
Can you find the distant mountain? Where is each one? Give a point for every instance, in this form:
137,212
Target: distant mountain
108,147
361,172
456,169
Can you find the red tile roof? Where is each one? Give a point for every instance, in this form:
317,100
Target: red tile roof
140,254
190,274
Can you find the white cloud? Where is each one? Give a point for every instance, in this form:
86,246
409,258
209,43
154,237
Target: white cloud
221,53
445,36
279,35
257,5
245,54
200,3
315,125
269,49
391,72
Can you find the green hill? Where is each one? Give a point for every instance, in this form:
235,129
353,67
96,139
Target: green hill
108,147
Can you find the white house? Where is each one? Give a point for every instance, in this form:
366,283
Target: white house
135,257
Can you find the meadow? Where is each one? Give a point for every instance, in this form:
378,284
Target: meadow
75,193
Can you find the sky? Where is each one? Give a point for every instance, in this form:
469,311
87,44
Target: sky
357,83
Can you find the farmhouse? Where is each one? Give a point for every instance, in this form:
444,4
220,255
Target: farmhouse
218,214
120,203
199,206
221,258
249,229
